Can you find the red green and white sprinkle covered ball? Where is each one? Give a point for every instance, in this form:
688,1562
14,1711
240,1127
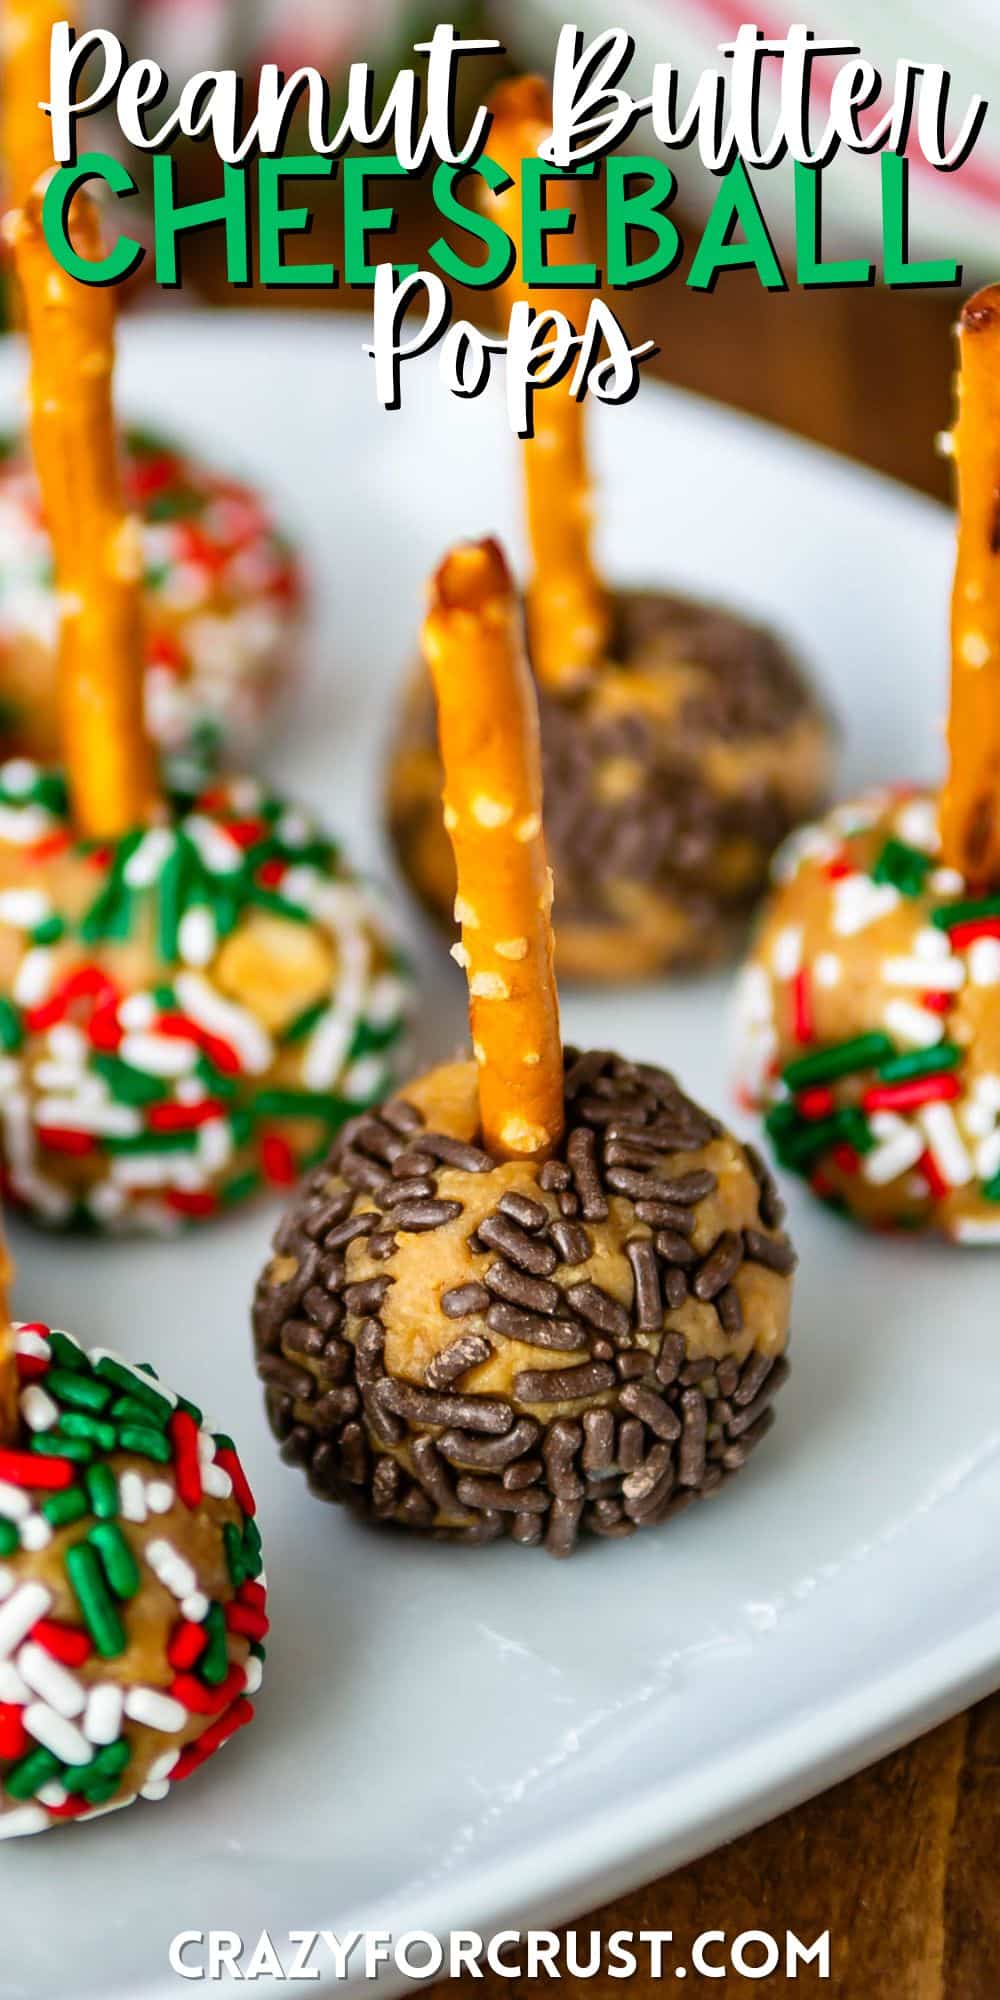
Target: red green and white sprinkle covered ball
187,1014
223,602
869,1022
132,1594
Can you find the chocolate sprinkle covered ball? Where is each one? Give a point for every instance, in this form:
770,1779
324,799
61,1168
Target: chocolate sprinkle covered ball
187,1013
670,777
222,599
869,1022
477,1347
132,1598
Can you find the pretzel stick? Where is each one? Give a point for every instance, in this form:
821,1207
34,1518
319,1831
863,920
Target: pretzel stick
970,804
27,133
9,1384
569,615
488,728
98,554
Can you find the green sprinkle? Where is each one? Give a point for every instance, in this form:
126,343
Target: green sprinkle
128,1084
147,1442
66,1353
861,1052
129,1410
950,914
90,1590
166,998
83,1392
305,1022
49,931
815,1136
991,1188
222,1441
75,1424
279,906
240,1187
293,1104
135,1383
28,1776
99,1791
11,1031
232,1542
252,1549
102,1490
214,1663
117,1561
921,1062
53,1444
170,903
216,1084
61,1509
241,1126
191,1410
257,1651
904,866
9,1538
150,1142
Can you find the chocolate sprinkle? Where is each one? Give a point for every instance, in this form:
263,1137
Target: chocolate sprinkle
655,1428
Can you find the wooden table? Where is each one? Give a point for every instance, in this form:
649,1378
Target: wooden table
900,1864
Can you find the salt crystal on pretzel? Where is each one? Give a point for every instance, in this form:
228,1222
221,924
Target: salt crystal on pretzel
488,723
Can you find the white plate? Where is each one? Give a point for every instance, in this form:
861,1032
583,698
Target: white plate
452,1737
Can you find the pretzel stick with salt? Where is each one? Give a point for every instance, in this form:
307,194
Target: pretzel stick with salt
488,729
25,34
970,802
569,614
96,542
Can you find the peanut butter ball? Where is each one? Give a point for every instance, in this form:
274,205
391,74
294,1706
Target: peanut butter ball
132,1596
670,775
477,1347
869,1022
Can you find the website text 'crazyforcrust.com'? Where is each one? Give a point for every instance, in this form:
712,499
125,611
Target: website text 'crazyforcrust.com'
511,1954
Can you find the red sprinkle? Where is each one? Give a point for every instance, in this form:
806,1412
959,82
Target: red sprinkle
271,872
252,1592
243,1618
184,1437
934,1089
14,1738
840,866
245,832
936,1003
28,1468
186,1201
962,934
183,1117
186,1644
212,1739
230,1463
816,1102
202,1700
802,1013
845,1157
62,1139
65,1642
105,1030
43,850
277,1160
221,1053
928,1166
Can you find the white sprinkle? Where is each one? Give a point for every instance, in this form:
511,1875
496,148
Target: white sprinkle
24,908
917,824
21,1611
27,1341
946,882
159,1496
161,1055
49,1678
945,1143
931,943
117,1121
175,1574
916,1027
145,865
57,1733
221,854
132,1496
7,1581
196,936
945,975
858,902
215,1145
137,1012
35,1533
254,1670
968,1229
102,1717
52,1794
39,1411
216,1482
12,1687
34,976
984,961
221,1017
22,826
23,1819
196,1605
826,970
18,775
900,1149
387,1000
155,1710
162,1766
988,1156
14,1504
786,951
